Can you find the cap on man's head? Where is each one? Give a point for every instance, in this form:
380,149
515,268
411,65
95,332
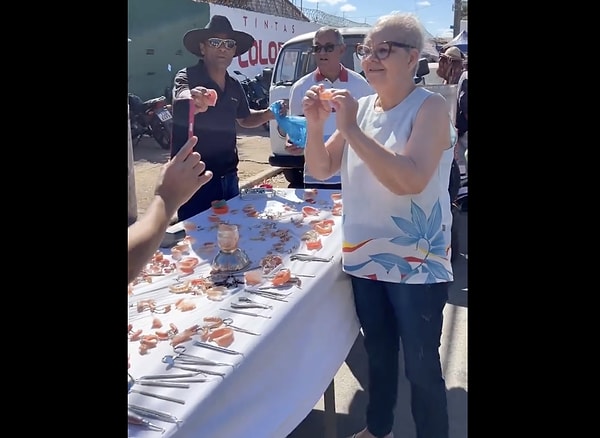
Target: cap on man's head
453,53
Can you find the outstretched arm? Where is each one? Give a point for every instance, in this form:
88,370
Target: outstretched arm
256,118
179,179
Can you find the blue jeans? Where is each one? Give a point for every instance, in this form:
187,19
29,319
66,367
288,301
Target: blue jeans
388,313
223,187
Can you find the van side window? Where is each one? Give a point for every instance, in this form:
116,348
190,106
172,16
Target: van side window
350,60
288,67
356,65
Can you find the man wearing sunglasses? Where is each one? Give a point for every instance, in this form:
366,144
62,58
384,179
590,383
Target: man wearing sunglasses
215,126
328,49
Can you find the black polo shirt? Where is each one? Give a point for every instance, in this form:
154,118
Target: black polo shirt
215,128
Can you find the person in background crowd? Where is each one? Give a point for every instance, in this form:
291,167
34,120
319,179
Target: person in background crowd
450,68
215,126
179,179
462,120
394,152
450,65
328,49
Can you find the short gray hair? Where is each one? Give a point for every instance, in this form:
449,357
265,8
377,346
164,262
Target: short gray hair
407,25
338,36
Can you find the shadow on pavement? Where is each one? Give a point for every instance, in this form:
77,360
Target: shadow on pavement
458,293
348,424
258,131
149,151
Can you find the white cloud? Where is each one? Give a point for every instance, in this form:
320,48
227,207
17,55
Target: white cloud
348,8
444,33
423,4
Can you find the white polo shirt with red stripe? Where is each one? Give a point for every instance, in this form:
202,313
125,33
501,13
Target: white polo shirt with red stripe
347,79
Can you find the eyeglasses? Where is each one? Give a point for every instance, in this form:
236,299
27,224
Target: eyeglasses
317,48
381,52
218,42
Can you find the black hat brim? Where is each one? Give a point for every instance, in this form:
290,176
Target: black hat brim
192,39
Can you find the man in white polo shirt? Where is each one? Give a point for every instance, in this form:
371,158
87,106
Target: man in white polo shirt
328,49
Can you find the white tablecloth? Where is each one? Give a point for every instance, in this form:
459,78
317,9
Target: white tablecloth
284,371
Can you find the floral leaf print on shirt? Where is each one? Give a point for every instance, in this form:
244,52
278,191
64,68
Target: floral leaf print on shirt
422,231
426,234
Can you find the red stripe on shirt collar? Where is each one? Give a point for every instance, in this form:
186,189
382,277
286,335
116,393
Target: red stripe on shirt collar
343,76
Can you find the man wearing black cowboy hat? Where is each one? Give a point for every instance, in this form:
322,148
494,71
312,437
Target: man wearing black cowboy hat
215,126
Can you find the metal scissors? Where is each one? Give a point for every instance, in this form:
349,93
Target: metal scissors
228,322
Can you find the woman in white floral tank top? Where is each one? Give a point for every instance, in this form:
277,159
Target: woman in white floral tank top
394,152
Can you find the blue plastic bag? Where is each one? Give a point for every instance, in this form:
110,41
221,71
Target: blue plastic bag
293,126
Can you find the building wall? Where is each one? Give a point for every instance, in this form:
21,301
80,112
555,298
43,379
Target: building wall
156,29
156,51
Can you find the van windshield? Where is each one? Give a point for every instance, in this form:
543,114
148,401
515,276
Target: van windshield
296,60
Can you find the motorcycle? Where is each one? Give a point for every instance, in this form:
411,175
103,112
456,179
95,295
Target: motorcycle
257,92
153,117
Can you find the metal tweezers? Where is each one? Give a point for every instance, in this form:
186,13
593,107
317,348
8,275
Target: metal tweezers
216,348
249,304
265,294
309,258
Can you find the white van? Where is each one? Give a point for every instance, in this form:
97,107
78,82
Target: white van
294,61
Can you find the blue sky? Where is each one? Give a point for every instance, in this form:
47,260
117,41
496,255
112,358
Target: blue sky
436,15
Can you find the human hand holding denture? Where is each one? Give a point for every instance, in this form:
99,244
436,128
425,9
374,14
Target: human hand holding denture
326,93
345,106
315,109
203,98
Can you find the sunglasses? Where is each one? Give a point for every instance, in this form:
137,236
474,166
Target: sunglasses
218,42
317,48
381,52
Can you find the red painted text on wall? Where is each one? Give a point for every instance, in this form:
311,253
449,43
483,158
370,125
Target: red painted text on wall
261,52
